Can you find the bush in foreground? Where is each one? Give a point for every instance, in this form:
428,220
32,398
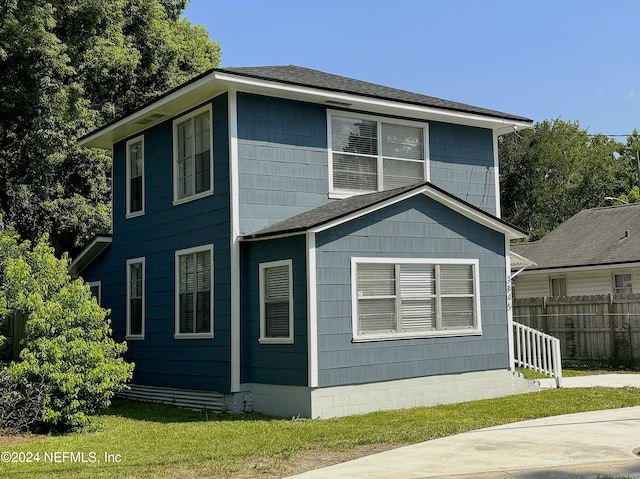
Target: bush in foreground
67,349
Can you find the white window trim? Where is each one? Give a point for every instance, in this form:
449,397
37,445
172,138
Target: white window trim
613,280
477,331
340,193
176,122
97,284
128,335
263,326
566,283
133,214
178,254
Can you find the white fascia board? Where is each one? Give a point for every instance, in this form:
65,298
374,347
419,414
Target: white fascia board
296,92
572,269
166,107
457,206
88,254
475,215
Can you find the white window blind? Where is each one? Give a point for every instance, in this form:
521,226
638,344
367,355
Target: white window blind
195,292
399,298
135,297
276,299
193,156
369,155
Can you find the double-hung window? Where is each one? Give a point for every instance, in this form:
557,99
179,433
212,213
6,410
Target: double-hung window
368,155
276,302
135,177
192,158
194,292
412,298
135,298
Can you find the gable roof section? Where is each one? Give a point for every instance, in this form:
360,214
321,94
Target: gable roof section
593,237
341,211
89,253
302,84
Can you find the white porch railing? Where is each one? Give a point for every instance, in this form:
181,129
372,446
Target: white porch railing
537,351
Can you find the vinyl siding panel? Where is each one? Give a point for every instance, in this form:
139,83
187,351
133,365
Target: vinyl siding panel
429,230
462,163
283,159
579,283
162,360
283,364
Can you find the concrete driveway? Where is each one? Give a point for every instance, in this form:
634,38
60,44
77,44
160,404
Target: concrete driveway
575,446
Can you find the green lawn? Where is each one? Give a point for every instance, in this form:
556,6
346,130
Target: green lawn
153,441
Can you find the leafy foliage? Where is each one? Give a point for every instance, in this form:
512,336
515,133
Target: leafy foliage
556,169
67,67
68,346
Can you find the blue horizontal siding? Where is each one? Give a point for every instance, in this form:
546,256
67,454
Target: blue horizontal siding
282,159
284,364
462,163
162,360
428,230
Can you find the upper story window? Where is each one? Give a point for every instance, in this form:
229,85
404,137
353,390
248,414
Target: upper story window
192,156
413,298
368,155
135,177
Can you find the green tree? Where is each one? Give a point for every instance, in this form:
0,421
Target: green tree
68,350
554,170
67,67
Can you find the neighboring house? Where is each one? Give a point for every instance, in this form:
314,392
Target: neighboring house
306,244
595,252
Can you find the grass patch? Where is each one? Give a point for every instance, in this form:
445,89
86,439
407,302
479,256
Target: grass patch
154,441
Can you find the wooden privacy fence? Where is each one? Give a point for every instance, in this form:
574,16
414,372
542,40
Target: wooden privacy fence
591,329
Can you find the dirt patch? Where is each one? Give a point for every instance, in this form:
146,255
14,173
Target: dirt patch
15,439
308,461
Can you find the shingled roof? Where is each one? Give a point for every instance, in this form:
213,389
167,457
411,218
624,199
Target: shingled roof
346,208
295,75
597,236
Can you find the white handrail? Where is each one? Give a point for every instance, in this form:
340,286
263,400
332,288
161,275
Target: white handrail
537,351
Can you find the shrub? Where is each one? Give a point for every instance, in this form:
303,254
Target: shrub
20,404
68,346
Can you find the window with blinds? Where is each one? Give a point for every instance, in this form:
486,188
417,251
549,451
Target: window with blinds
194,288
414,298
135,177
193,161
369,155
135,298
276,302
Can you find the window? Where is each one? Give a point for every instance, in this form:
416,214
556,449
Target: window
135,298
135,177
558,286
96,290
192,159
369,155
622,283
194,292
409,298
276,302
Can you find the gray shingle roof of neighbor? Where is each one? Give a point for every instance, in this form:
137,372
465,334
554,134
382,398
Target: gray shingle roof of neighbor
597,236
338,209
295,75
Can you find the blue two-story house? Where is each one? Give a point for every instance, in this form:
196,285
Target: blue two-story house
300,243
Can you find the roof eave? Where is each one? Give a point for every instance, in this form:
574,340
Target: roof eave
88,254
217,81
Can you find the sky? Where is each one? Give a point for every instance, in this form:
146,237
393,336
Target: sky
577,60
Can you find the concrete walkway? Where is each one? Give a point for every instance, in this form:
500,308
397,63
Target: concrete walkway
575,446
